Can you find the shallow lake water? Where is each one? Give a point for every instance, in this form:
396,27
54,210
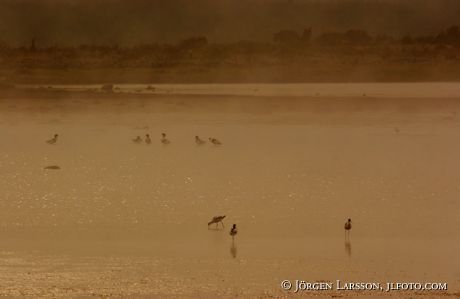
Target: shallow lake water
126,219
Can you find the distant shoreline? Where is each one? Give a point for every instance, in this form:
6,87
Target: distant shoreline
313,91
291,73
292,109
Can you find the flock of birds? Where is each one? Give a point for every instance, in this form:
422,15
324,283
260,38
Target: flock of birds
216,219
164,140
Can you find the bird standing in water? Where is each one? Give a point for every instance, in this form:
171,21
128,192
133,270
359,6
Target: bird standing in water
199,141
347,227
138,139
233,231
215,141
147,139
53,140
164,140
217,220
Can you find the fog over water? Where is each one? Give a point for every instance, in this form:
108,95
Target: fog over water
74,22
310,112
137,214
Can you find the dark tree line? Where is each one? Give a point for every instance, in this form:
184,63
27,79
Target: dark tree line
450,36
287,46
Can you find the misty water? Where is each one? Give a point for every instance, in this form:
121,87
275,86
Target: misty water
289,173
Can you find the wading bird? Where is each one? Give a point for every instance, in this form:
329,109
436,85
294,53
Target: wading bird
233,231
147,139
164,140
199,141
347,227
217,220
215,141
53,140
138,139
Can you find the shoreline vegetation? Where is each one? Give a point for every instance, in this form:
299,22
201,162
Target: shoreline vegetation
350,56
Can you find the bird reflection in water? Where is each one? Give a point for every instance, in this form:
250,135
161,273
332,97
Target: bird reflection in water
348,247
233,249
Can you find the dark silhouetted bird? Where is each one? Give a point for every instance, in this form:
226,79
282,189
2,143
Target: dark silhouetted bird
53,140
217,220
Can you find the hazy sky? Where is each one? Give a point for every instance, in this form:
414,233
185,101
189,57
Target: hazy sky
64,22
